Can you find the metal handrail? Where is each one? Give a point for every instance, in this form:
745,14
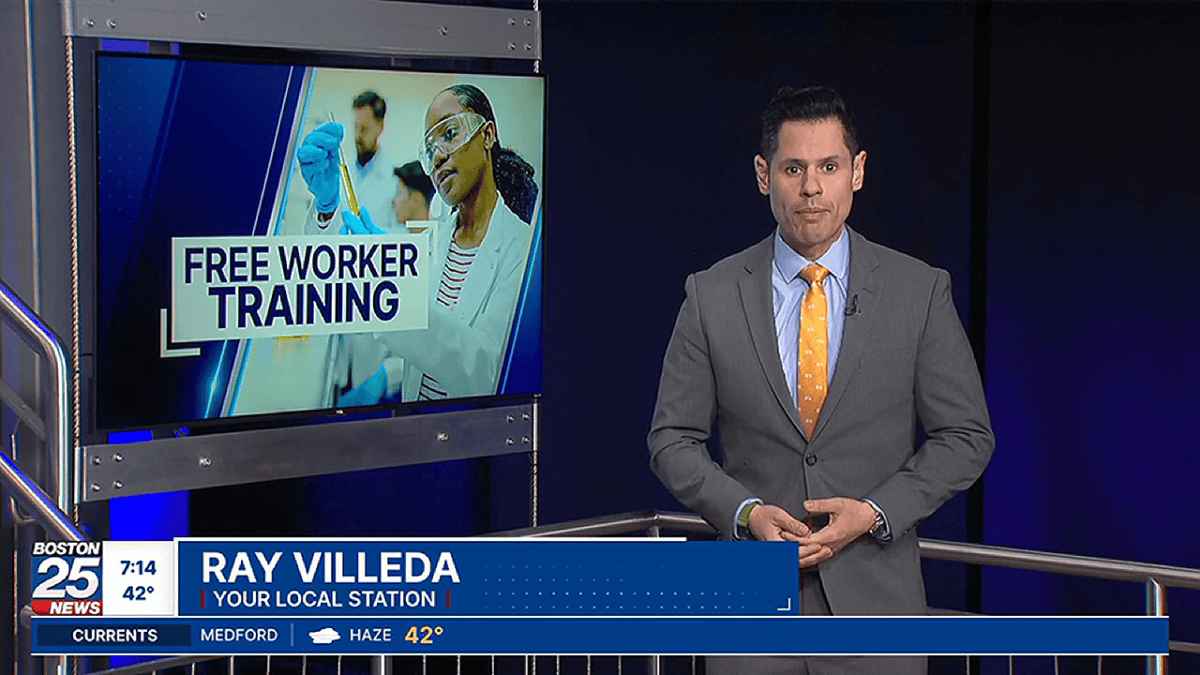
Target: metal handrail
157,665
22,409
973,554
1061,563
59,444
1157,578
33,498
621,523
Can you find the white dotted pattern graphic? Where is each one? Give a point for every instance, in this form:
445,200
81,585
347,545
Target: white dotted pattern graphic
558,594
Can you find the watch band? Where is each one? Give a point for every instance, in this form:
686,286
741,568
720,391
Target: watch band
743,520
878,524
878,528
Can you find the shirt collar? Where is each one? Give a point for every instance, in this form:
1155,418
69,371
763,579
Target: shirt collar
836,259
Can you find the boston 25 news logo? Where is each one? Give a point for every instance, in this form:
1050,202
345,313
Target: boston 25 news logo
66,578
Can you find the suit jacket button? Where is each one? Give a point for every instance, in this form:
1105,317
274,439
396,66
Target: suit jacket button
810,459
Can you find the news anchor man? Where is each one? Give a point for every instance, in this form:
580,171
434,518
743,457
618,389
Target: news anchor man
816,352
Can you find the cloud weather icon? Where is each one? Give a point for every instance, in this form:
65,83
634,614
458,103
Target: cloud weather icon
325,636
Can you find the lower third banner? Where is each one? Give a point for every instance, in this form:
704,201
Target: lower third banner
936,635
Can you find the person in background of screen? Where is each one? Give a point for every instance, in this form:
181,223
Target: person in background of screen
816,353
373,171
373,178
480,256
414,192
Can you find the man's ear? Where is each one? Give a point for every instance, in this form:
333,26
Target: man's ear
762,174
860,169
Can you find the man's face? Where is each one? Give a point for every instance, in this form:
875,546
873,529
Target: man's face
811,182
409,204
366,130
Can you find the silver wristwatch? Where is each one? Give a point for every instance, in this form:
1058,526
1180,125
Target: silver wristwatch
876,527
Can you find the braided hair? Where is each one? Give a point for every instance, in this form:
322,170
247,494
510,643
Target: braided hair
514,175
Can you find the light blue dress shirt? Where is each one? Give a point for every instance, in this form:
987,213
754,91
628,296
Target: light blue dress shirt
787,292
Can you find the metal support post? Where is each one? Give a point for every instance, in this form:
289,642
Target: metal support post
381,665
533,463
1156,605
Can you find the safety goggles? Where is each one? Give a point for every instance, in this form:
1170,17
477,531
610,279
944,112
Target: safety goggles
447,136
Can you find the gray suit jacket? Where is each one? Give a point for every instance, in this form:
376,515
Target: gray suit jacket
904,358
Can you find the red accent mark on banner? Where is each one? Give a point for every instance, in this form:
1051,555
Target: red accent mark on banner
447,598
67,607
201,598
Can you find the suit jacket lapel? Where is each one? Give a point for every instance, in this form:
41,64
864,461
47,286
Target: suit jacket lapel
755,288
866,285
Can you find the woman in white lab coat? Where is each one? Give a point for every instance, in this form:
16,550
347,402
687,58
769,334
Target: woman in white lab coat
479,260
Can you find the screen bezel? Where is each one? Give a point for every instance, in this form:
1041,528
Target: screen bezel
95,433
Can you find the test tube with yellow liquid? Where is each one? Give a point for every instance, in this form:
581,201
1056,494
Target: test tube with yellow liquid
351,198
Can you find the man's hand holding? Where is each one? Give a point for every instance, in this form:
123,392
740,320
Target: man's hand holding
849,519
772,523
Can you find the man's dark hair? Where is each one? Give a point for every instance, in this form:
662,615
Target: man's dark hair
371,99
414,178
514,176
811,104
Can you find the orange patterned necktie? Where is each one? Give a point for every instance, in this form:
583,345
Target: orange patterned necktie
813,374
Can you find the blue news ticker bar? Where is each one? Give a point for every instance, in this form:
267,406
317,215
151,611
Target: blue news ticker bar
935,635
485,578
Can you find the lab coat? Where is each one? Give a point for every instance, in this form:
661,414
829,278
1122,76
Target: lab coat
464,345
375,186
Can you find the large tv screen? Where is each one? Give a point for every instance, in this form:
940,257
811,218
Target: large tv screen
280,238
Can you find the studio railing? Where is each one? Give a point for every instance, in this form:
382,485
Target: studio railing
54,513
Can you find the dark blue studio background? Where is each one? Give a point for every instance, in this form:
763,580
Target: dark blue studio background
1092,366
1042,153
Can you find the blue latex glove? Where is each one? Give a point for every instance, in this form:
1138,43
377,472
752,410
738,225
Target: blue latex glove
360,224
368,393
318,157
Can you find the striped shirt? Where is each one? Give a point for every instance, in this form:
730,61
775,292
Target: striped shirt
454,274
